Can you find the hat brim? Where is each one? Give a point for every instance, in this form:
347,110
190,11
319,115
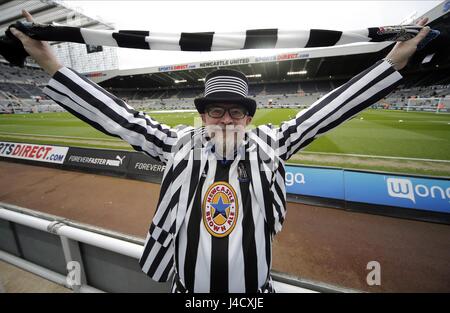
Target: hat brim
248,103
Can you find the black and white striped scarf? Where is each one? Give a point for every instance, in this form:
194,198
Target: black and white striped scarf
12,49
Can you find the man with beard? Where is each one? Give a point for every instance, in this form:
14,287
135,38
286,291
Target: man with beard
223,191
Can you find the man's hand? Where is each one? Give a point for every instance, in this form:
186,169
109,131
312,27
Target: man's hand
40,51
402,51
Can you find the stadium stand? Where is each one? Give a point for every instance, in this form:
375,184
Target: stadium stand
281,88
22,82
21,90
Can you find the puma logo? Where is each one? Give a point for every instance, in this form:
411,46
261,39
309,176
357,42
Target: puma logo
120,159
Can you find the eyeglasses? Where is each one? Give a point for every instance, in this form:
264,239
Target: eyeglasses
219,112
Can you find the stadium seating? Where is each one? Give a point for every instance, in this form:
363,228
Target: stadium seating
26,75
281,88
21,91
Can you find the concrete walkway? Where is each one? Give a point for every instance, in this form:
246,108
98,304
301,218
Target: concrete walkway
16,280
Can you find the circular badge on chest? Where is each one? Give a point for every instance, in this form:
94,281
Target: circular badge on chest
220,209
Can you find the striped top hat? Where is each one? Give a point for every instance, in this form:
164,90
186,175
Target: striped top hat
227,87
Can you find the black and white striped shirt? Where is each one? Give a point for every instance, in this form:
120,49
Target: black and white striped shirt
240,261
215,223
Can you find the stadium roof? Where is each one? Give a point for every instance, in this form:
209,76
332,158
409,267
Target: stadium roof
315,64
339,62
46,11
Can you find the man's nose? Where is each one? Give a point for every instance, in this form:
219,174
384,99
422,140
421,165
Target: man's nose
226,119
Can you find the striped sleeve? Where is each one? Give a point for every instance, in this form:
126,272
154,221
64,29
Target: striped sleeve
335,108
109,114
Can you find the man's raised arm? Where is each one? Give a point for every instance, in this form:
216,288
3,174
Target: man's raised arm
94,105
345,101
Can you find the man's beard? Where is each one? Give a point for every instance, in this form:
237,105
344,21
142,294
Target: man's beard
226,139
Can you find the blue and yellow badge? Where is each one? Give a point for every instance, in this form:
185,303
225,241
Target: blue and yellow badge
220,209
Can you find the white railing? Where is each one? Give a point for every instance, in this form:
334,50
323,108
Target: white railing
72,233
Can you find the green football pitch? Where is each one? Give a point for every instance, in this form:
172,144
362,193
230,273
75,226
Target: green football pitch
393,141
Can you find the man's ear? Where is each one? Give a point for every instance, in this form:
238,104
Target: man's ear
249,120
203,118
